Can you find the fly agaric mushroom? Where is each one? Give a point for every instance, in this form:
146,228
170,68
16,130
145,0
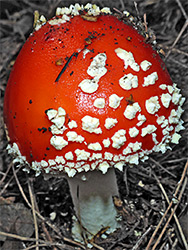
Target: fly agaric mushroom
87,95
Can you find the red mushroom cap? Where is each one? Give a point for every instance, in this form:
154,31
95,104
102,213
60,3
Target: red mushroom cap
87,92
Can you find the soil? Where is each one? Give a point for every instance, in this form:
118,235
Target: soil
150,192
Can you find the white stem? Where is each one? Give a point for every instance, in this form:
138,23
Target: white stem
92,194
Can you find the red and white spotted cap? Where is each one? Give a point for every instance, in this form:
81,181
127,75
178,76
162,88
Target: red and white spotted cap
88,92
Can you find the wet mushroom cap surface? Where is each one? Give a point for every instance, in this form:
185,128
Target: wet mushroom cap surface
89,93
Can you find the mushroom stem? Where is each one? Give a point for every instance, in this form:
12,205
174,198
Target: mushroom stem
92,194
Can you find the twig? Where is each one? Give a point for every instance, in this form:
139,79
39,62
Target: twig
5,175
18,237
65,66
171,215
175,160
22,238
33,202
179,63
61,246
162,246
165,170
122,4
118,11
175,244
145,23
177,38
175,217
12,177
141,239
136,8
169,207
182,9
20,187
47,233
96,246
174,50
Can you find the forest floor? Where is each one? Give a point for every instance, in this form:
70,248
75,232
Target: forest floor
36,213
